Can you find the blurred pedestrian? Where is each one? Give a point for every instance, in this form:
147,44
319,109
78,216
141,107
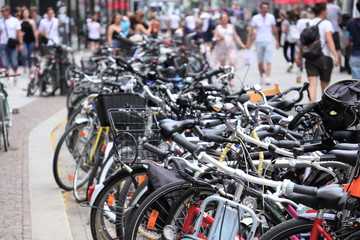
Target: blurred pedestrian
265,26
125,24
28,28
225,48
155,25
353,36
49,27
35,16
139,27
164,23
290,21
205,32
334,16
174,22
323,65
94,33
10,28
113,30
190,22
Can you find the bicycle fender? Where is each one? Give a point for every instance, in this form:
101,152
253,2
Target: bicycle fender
312,216
81,120
96,191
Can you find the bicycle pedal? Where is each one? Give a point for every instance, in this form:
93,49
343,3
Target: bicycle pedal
15,111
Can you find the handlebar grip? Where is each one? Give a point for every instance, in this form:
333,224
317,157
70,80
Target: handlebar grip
280,112
214,138
191,147
212,123
296,121
157,151
308,190
286,143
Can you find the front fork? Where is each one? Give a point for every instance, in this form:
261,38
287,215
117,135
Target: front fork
318,227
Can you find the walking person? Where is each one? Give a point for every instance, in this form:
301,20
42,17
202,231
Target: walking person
225,48
334,16
94,32
49,27
265,26
114,29
28,27
353,36
290,21
174,22
35,16
321,66
164,23
205,34
10,29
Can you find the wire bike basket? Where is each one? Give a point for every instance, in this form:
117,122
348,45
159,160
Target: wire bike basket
132,127
132,124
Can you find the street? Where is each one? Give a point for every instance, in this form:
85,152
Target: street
31,204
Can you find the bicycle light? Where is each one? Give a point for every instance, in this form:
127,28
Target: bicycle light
250,202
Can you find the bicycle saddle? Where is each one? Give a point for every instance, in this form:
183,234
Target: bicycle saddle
347,146
218,130
242,98
213,87
168,126
285,104
347,136
329,197
345,156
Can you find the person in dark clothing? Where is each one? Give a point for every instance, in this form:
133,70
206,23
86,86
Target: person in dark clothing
28,28
353,36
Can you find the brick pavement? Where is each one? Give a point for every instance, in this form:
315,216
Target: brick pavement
14,191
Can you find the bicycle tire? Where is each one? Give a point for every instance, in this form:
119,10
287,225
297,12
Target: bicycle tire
75,115
178,212
290,228
105,223
48,83
4,127
86,164
160,203
68,148
34,84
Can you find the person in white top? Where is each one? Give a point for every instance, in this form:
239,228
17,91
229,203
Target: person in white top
49,27
225,48
94,32
10,28
174,22
335,17
190,21
265,26
164,23
323,65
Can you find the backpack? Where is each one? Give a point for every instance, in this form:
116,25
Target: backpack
338,104
293,34
212,25
310,41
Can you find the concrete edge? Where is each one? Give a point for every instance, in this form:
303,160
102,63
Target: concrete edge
48,213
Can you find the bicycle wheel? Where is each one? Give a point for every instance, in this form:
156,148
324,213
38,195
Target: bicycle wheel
150,218
68,149
75,115
179,211
4,114
87,163
48,83
107,219
34,83
297,227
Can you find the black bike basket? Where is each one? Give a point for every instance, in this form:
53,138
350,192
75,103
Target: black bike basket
104,102
132,127
339,104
